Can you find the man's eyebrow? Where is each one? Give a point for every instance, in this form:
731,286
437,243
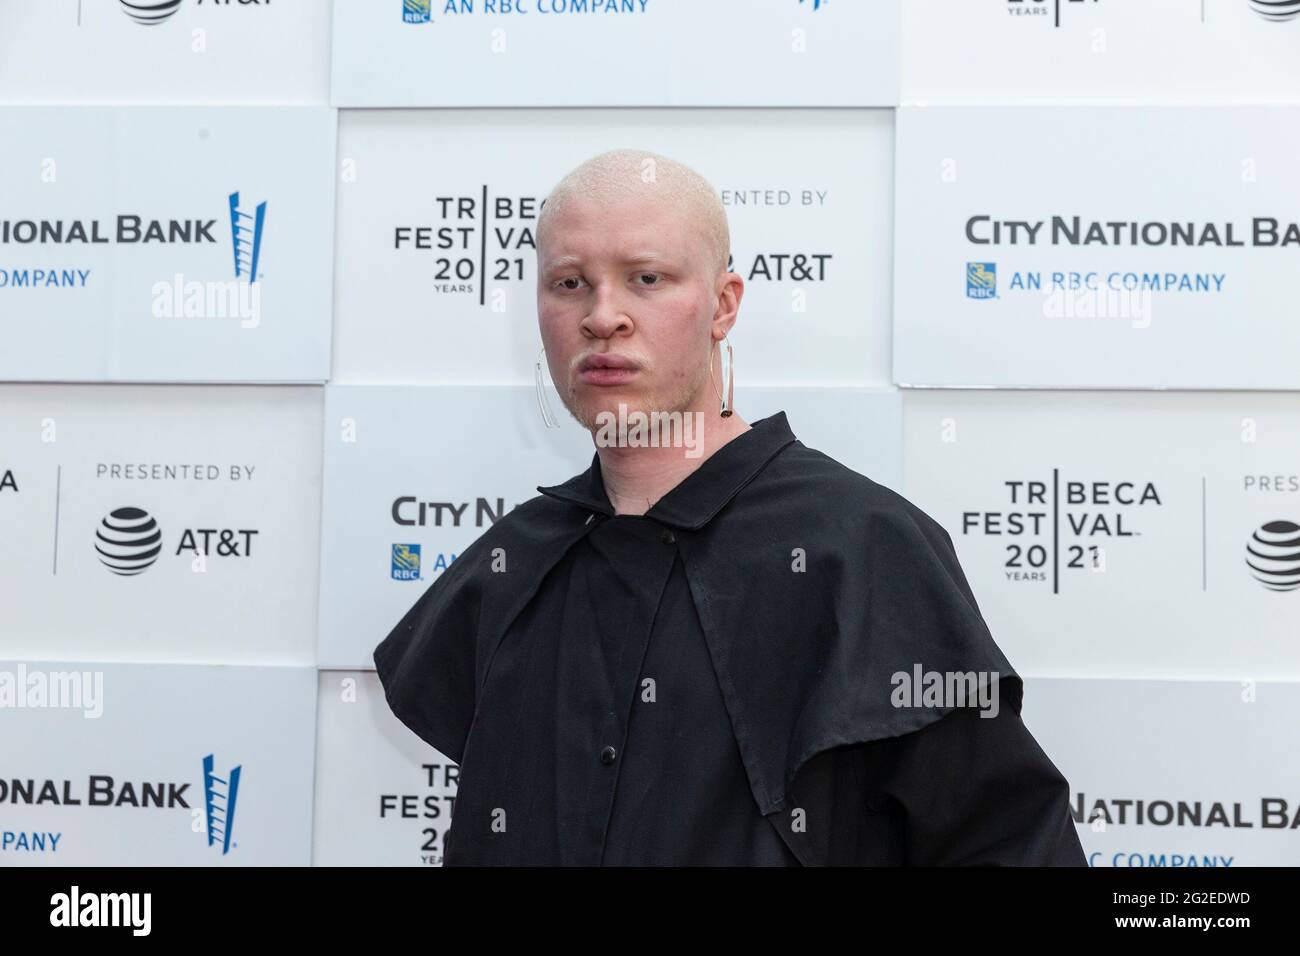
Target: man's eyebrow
561,262
635,258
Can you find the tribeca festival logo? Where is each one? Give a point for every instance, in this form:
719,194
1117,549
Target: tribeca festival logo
981,280
220,795
1273,555
417,11
481,243
1276,11
240,298
434,803
1054,526
478,241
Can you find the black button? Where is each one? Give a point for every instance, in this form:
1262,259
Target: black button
607,756
667,537
877,802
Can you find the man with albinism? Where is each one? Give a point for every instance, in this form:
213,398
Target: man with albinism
715,646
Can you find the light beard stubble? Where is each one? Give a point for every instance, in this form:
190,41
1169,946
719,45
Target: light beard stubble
680,400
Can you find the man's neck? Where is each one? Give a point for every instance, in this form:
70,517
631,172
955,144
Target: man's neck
637,477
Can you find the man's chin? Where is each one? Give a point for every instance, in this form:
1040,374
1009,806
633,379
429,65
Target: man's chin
594,411
591,414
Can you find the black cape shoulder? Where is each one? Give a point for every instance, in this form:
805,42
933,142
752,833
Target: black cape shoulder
434,660
815,587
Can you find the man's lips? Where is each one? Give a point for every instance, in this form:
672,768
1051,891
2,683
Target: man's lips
607,369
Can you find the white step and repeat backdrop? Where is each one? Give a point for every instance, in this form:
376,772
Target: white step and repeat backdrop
266,290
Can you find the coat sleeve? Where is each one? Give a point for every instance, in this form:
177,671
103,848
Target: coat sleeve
427,664
970,790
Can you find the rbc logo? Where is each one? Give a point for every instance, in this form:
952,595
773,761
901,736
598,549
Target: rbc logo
981,280
406,562
416,11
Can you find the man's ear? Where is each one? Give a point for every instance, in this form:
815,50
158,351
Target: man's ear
730,290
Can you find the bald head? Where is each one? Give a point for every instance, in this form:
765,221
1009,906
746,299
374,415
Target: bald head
633,174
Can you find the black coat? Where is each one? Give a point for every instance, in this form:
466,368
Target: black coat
819,593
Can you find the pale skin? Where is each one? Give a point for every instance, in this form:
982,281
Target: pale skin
634,279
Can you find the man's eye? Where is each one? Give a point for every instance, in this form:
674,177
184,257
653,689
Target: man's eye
654,276
570,282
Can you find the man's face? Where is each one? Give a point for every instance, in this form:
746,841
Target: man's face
625,302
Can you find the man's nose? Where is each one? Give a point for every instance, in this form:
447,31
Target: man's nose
608,315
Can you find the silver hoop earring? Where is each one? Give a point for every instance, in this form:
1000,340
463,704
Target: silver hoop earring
547,416
728,371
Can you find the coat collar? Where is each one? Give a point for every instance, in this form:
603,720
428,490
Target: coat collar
701,494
